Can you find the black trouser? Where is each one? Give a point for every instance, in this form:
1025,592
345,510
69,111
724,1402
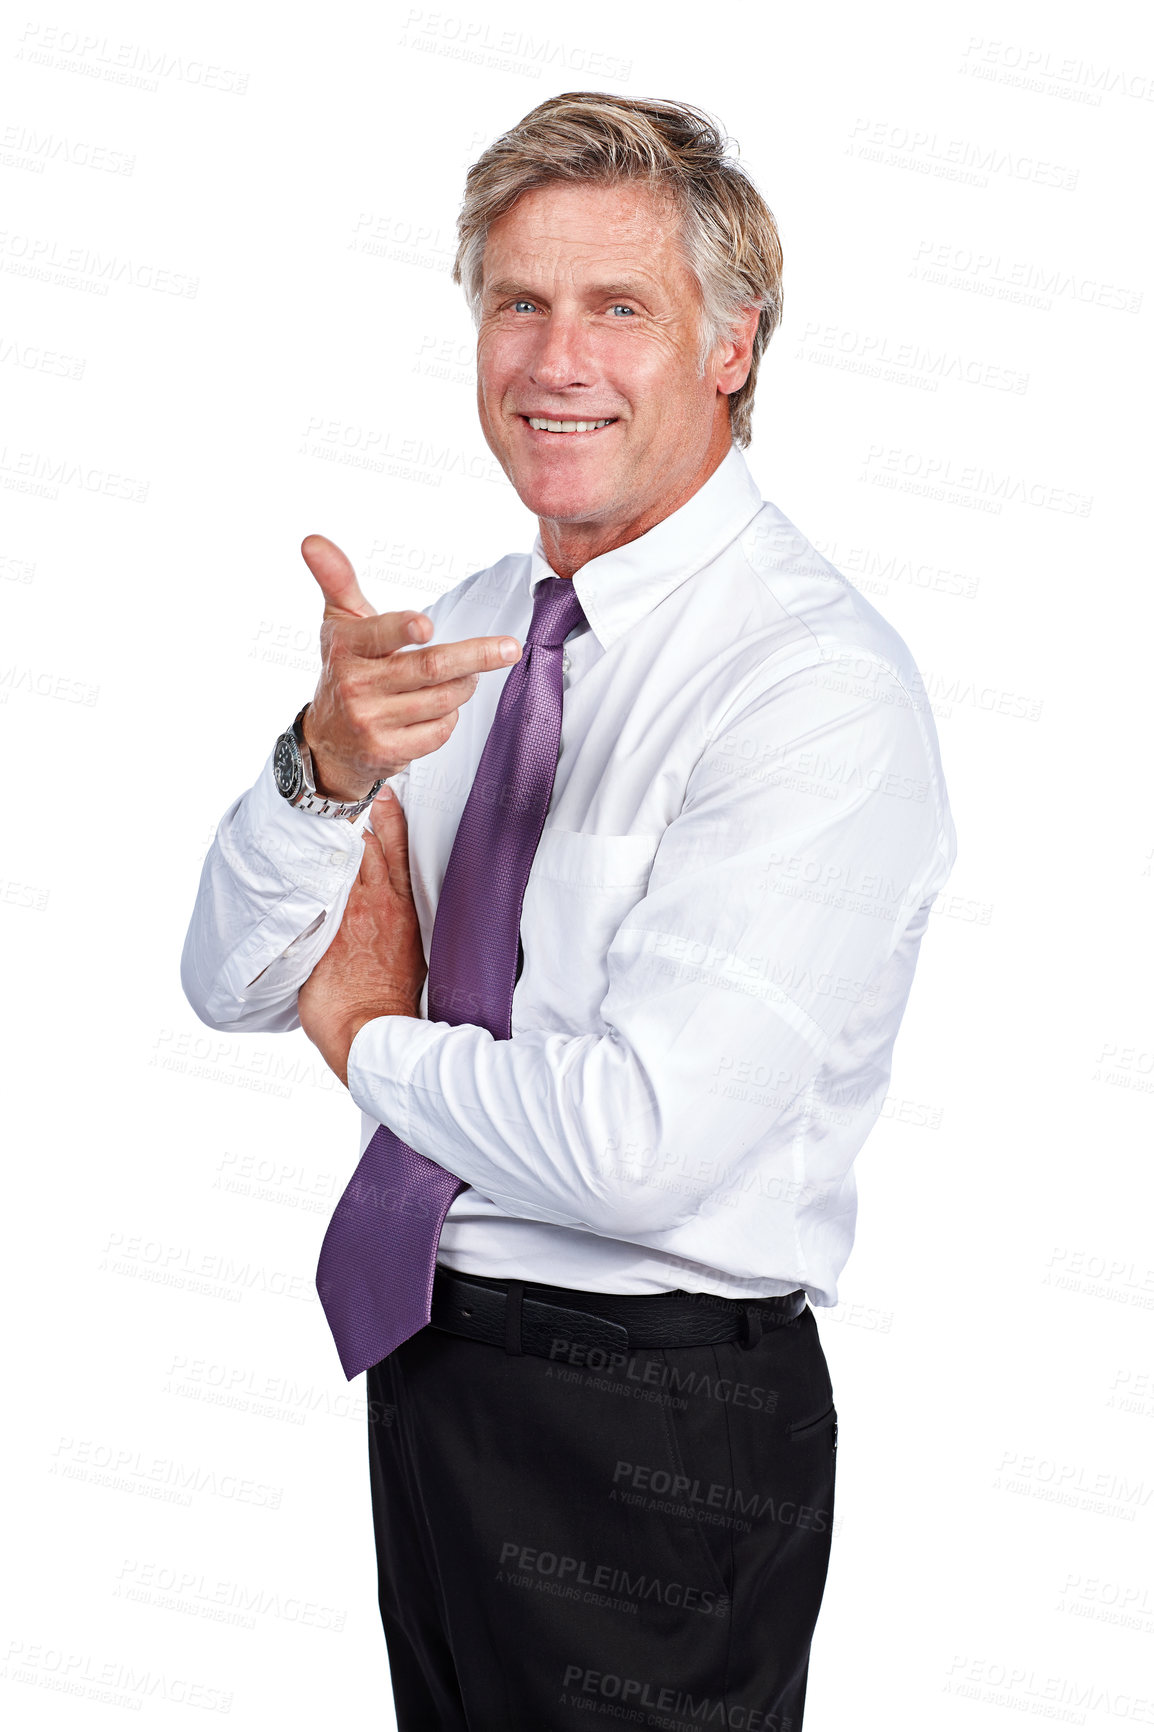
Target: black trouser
560,1547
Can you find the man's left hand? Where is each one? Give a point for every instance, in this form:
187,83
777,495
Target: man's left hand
375,966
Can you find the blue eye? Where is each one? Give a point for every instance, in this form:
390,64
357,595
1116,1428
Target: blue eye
517,304
622,308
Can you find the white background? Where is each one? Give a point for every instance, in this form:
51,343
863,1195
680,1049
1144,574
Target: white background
227,323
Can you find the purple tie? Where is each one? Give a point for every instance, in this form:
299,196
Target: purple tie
379,1256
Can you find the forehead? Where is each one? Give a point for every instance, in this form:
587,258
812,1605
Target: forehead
579,227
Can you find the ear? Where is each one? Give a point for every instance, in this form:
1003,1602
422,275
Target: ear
734,354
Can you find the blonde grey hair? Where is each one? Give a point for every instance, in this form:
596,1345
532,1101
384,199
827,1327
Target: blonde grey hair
728,235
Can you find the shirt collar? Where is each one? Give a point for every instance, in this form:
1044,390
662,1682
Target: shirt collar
620,587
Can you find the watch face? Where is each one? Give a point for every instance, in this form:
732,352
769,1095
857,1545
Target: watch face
286,766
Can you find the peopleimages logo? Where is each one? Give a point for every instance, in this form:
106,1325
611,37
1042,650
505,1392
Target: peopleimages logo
49,259
131,63
522,1565
586,1688
895,145
1023,282
875,355
503,50
940,477
1068,76
657,1482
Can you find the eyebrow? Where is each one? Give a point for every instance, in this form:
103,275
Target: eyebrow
630,290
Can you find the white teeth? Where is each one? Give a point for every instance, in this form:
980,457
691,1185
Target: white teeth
567,426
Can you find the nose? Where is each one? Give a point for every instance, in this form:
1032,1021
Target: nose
560,358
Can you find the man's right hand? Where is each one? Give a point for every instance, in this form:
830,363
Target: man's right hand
375,708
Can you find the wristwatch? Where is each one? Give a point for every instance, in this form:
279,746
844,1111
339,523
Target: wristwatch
292,768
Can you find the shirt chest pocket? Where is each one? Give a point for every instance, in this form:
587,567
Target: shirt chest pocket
580,889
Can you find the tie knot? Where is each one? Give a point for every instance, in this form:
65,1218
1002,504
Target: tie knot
556,610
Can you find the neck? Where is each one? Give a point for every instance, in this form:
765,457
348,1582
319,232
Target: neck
569,545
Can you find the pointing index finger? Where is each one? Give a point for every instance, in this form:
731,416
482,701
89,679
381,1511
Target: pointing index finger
425,663
436,663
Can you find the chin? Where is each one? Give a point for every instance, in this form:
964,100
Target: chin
562,496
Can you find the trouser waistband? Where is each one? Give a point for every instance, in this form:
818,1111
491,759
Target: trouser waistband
530,1317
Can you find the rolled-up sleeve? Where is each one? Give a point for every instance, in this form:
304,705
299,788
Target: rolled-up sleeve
272,889
272,893
813,833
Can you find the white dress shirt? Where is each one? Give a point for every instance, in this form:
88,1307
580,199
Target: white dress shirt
747,829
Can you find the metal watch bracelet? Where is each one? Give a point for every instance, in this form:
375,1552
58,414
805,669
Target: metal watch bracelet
296,781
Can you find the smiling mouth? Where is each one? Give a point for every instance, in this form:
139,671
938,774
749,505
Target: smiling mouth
543,424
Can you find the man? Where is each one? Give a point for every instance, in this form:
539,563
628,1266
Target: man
615,975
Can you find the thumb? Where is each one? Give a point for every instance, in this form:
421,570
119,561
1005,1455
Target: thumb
337,580
392,833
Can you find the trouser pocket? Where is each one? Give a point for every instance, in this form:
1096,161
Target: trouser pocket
825,1420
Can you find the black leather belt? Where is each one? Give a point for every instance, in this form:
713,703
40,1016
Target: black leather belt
568,1323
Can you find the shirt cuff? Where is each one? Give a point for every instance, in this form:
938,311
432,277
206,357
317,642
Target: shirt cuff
306,851
382,1059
